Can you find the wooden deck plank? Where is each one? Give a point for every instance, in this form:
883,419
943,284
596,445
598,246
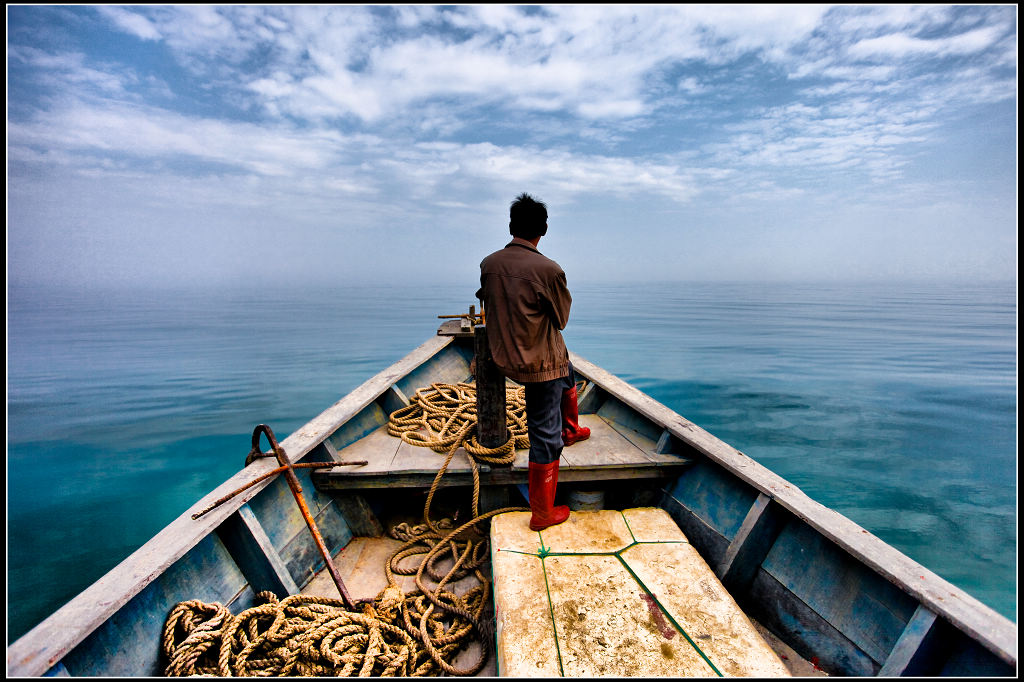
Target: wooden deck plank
605,447
361,566
607,454
378,449
412,459
386,454
648,446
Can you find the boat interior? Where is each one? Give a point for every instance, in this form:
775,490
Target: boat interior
361,564
822,593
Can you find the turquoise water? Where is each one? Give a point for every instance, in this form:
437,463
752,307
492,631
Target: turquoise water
894,404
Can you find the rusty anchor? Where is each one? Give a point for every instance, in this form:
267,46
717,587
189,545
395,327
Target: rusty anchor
288,469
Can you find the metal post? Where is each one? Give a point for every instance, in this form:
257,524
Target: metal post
491,429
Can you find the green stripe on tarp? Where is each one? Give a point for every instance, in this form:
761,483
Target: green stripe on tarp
544,552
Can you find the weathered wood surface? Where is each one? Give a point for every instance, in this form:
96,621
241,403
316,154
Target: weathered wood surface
128,643
361,565
47,643
994,631
868,610
901,659
751,544
492,431
252,550
609,453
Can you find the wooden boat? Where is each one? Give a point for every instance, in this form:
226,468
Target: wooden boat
816,582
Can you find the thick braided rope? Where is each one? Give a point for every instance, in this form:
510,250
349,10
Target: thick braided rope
198,625
395,635
447,413
299,635
404,635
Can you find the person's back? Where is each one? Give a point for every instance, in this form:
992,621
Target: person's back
526,305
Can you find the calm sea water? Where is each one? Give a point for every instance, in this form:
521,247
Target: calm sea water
894,404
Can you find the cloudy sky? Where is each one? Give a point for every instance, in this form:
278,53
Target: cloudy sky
161,144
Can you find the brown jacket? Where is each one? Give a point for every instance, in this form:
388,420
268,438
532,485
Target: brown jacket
526,303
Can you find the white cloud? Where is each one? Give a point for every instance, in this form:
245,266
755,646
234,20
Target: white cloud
64,72
772,29
857,20
902,45
621,104
572,58
598,63
569,174
204,27
130,22
89,137
157,136
609,108
856,135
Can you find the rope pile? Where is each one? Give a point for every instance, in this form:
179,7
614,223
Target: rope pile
395,634
447,412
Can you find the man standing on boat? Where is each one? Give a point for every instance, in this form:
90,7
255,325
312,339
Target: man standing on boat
526,303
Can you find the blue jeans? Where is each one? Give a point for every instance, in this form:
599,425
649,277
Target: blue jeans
544,416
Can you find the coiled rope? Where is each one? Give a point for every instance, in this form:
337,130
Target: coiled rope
447,412
396,634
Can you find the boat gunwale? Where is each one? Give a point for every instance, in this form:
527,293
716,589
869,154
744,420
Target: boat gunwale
995,632
46,644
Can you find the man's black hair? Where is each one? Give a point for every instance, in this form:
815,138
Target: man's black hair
528,218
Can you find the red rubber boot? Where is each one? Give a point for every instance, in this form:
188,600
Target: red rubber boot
543,481
572,432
